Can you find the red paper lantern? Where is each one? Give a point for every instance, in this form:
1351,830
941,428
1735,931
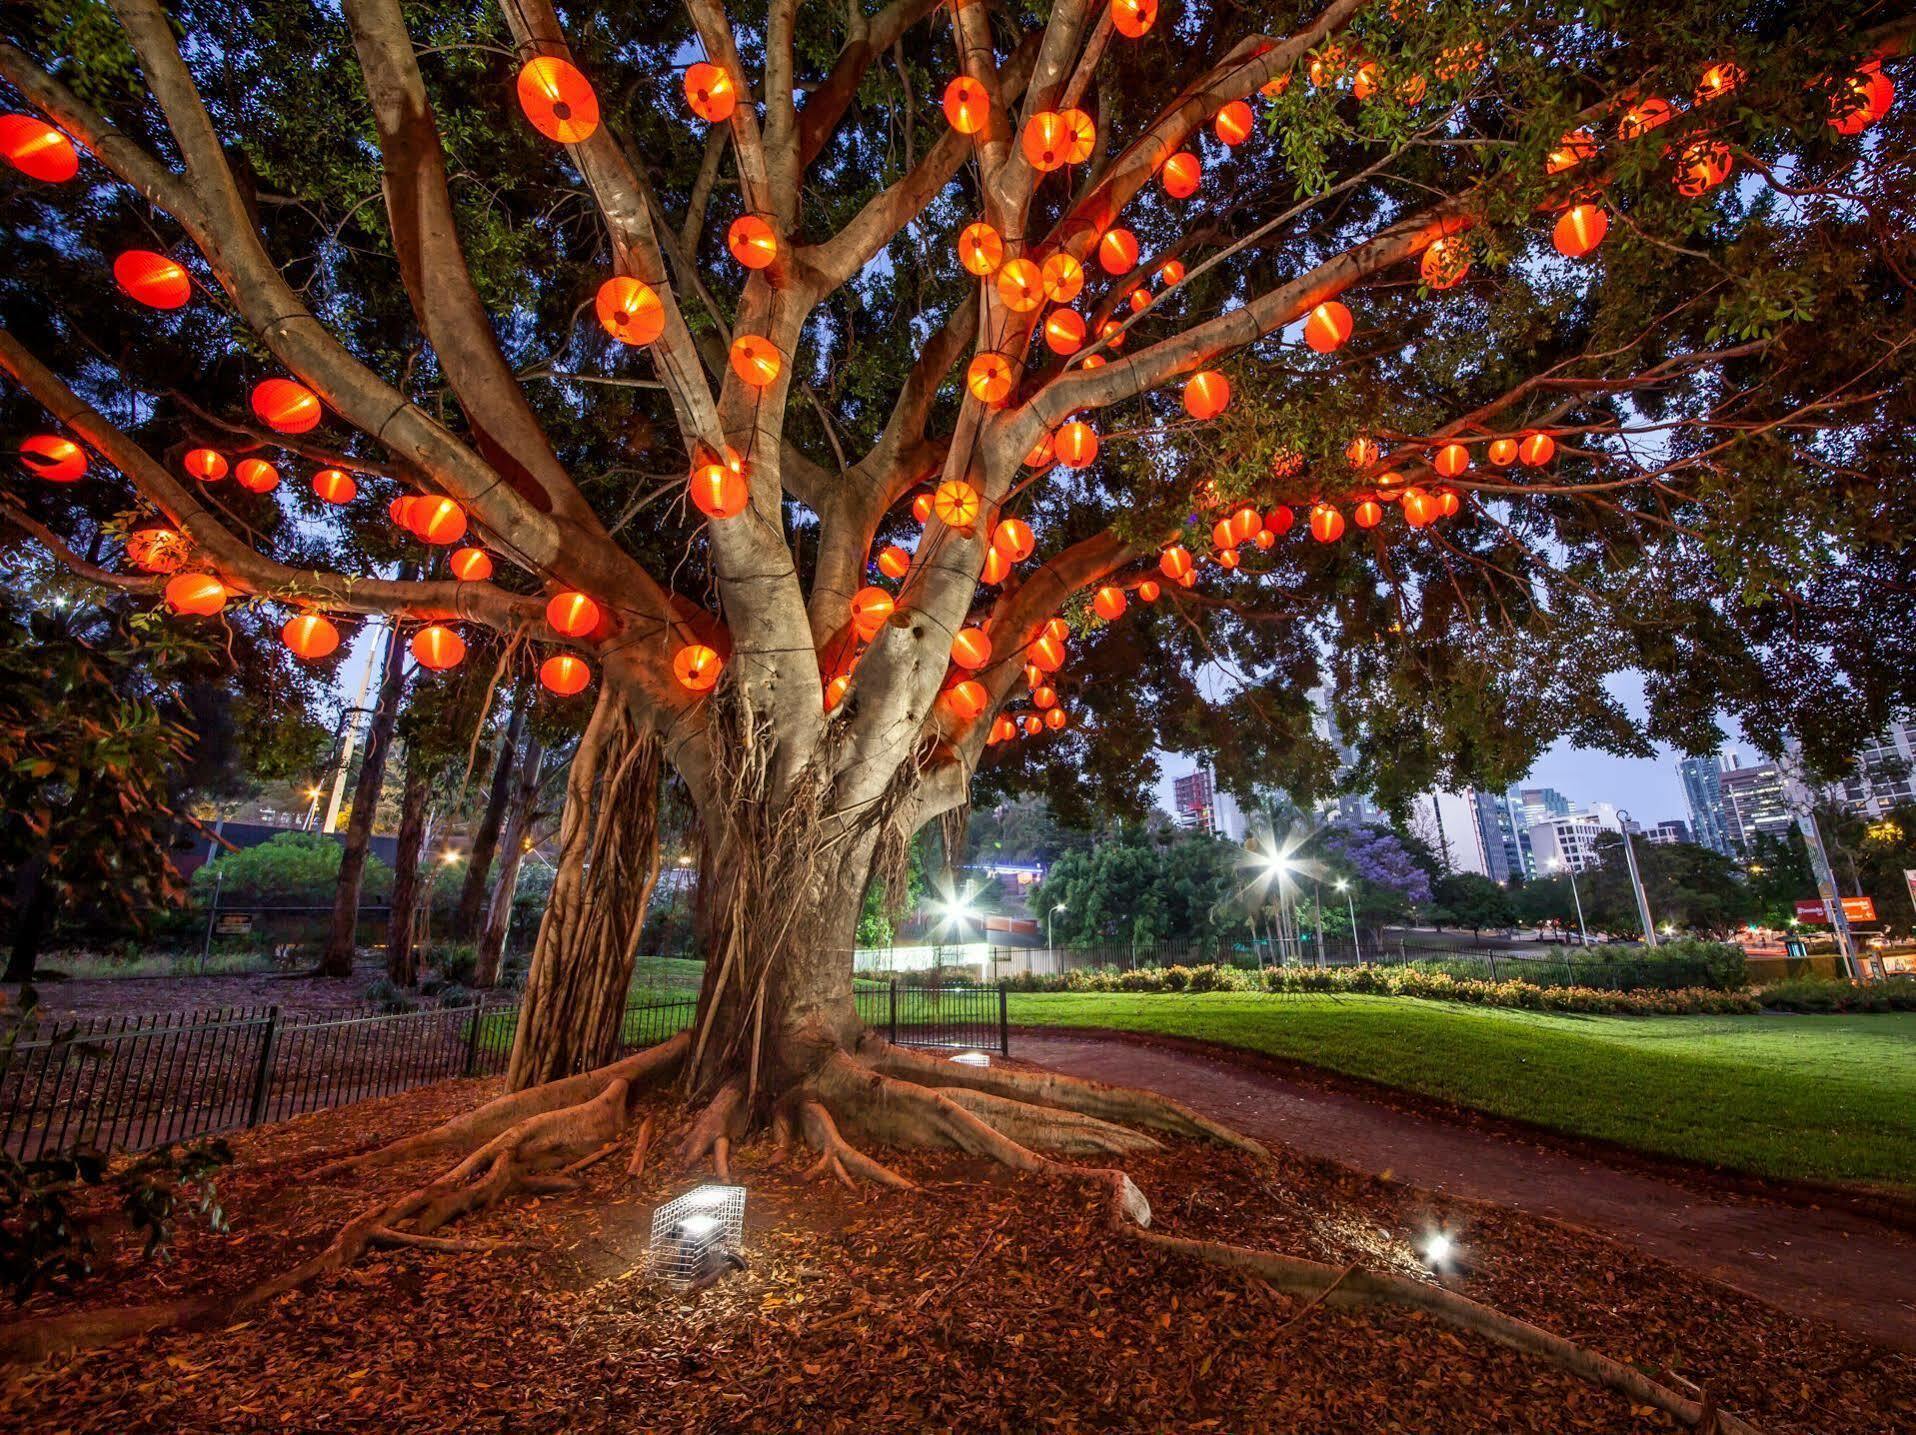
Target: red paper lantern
1064,331
437,647
921,508
1573,149
894,562
1445,262
439,521
1234,123
1279,520
1861,99
1206,394
997,567
156,547
1056,719
1362,451
966,699
196,594
1140,300
256,475
310,637
1717,81
1420,509
471,565
1221,535
1118,251
1149,590
1368,513
1056,629
1043,453
1704,165
1265,540
967,106
565,674
1183,172
572,613
558,99
1003,729
1108,603
1062,278
990,379
870,609
1643,117
1245,525
1175,562
335,485
956,503
1020,286
835,691
1327,326
1228,558
1047,653
1171,273
1013,538
752,241
971,648
1077,445
152,279
1033,725
1133,18
1111,334
980,249
1536,449
630,311
37,149
1327,524
756,360
1053,139
1580,229
1448,502
710,92
1503,452
206,464
57,459
719,488
696,667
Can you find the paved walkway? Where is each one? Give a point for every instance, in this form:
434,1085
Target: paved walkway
1829,1265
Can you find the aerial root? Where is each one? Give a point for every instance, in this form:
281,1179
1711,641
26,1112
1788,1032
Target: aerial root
838,1156
1353,1286
1116,1105
720,1124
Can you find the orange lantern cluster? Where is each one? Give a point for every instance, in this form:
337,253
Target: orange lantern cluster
1327,326
752,242
198,595
565,674
335,485
967,106
208,465
696,667
37,149
558,99
152,279
310,637
54,458
256,475
1055,138
710,92
629,310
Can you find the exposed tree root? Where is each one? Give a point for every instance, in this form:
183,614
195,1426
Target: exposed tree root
1121,1105
1354,1286
838,1156
721,1123
635,1168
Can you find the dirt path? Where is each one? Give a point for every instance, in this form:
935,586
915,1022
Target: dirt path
1829,1265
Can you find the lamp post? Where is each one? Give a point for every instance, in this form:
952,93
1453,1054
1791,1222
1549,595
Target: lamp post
1050,936
1558,864
1636,882
1350,905
1279,867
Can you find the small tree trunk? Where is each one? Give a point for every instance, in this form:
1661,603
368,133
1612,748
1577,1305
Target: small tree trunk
491,946
608,862
341,945
33,914
485,838
402,958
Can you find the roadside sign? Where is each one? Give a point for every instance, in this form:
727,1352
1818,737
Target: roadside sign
1857,909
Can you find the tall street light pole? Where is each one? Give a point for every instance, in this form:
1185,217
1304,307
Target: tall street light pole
1050,934
1350,905
1636,882
1582,930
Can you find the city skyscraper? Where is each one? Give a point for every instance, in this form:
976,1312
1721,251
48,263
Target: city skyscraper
1500,835
1703,788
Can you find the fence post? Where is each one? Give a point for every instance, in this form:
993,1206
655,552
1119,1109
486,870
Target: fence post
263,1078
891,988
1493,965
472,1037
1004,1022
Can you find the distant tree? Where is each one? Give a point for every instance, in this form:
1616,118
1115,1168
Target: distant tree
1778,868
289,868
1870,856
1138,888
1470,899
1545,901
1690,888
1388,877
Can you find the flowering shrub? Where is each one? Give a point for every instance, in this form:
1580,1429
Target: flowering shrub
1819,994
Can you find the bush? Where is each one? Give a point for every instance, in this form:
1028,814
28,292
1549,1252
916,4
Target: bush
1820,994
389,998
289,869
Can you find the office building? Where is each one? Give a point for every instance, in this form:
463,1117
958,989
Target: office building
1447,821
1703,787
1669,832
1540,804
1499,832
1754,804
1569,841
1198,806
1882,777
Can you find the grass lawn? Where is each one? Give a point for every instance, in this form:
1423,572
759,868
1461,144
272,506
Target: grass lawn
1830,1098
661,978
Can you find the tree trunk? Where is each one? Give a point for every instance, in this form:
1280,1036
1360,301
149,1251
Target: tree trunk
402,958
485,838
524,793
33,914
341,944
608,862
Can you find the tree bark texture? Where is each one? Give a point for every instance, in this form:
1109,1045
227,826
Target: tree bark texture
402,957
341,945
485,838
523,797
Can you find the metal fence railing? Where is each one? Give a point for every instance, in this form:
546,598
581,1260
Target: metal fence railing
132,1083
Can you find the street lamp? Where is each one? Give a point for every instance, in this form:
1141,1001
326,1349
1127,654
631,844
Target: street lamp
1636,882
1557,864
1050,935
1350,905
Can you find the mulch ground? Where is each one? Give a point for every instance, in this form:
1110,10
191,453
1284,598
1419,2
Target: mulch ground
986,1302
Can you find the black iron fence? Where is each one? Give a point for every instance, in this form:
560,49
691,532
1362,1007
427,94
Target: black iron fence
132,1083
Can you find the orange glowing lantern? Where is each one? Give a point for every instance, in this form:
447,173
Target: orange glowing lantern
967,106
1572,150
439,521
1362,451
1275,86
835,691
1445,262
1053,139
310,637
1149,590
470,565
152,279
1175,562
1118,252
710,92
1327,66
894,562
437,646
1448,502
755,360
1003,729
255,475
37,149
1279,520
1077,445
719,489
198,595
1704,165
565,674
335,485
1537,449
966,699
1245,525
1286,463
1265,540
630,311
1420,509
1207,393
1013,538
1064,331
1327,524
1368,513
1140,300
1111,334
1580,229
1108,603
1056,628
572,613
1228,558
1221,535
1033,725
1043,453
1062,277
1717,81
1021,286
1234,123
1133,18
989,378
206,464
921,507
1047,653
61,460
156,547
558,100
1503,452
1861,99
997,567
1056,719
1171,273
871,607
1183,172
1366,81
1451,460
980,249
752,242
1327,326
1643,117
971,648
956,503
696,667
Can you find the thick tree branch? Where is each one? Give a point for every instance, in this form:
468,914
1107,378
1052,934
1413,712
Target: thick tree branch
825,106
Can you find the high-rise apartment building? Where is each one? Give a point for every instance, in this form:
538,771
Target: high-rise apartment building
1754,803
1703,787
1500,833
1198,806
1884,775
